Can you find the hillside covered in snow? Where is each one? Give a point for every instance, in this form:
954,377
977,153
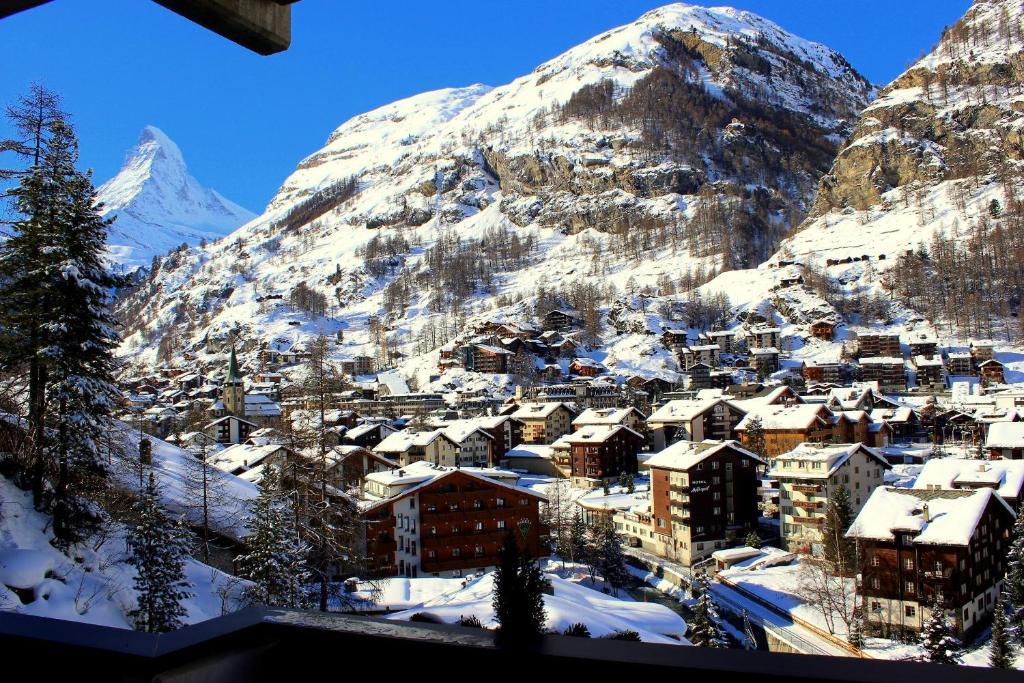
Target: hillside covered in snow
640,162
159,205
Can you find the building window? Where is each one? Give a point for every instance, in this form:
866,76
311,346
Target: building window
874,560
456,552
501,524
910,611
908,563
479,526
909,586
478,503
875,582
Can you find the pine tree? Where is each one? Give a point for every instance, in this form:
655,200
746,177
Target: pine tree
79,329
56,316
940,645
275,558
1001,655
856,635
837,548
705,630
748,631
158,550
611,563
753,540
518,595
1015,571
21,294
576,544
755,439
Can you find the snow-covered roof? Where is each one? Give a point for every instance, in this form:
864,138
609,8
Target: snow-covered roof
604,416
683,455
366,428
530,450
394,381
460,431
242,456
799,416
599,433
400,442
422,473
832,456
881,360
933,517
537,410
259,405
1005,476
682,410
1005,435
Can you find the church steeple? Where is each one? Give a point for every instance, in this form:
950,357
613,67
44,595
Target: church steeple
234,376
233,391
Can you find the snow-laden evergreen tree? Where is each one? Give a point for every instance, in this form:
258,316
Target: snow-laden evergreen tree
755,438
1015,574
158,549
611,563
1001,655
80,333
704,628
937,639
837,548
576,539
275,561
56,316
748,631
518,595
753,540
856,635
22,304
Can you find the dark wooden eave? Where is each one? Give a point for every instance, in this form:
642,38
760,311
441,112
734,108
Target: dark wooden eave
263,26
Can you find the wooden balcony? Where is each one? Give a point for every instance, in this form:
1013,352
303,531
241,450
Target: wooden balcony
464,538
809,504
805,488
817,521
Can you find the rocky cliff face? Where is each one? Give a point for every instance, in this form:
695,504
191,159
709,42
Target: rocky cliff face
932,151
688,140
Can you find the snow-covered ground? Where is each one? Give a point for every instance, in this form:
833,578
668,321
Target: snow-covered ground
575,600
92,583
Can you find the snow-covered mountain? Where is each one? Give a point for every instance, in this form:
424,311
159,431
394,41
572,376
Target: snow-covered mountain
159,206
643,160
930,154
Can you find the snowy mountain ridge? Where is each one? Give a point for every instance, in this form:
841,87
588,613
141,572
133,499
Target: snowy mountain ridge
159,205
641,160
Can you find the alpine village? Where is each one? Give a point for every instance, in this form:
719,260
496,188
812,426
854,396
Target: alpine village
690,336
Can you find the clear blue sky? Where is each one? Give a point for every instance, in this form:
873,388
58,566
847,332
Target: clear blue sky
244,121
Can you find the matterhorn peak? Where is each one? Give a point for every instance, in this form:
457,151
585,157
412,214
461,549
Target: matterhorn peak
158,205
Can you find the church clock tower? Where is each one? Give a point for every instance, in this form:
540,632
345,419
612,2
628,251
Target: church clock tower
233,391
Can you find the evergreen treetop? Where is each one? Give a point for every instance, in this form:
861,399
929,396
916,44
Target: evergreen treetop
158,549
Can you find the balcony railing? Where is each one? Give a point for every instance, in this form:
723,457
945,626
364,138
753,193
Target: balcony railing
818,521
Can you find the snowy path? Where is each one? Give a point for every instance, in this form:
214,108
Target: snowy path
800,637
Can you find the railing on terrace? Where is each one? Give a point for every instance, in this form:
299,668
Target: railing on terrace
266,645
